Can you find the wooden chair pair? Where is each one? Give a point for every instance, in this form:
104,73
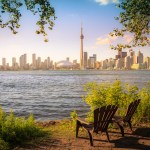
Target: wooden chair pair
103,117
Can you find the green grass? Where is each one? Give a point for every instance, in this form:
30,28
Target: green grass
63,128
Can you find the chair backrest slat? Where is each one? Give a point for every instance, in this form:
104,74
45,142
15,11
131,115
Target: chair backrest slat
131,109
103,116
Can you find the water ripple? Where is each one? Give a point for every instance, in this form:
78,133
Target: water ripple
54,94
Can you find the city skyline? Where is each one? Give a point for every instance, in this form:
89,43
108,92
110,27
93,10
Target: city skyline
122,60
97,17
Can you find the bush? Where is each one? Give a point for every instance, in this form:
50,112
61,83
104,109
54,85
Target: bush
118,94
3,145
73,116
16,130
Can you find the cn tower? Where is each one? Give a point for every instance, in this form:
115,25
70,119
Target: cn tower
81,49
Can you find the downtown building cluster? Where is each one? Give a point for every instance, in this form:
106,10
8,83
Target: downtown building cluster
122,60
47,64
127,61
22,64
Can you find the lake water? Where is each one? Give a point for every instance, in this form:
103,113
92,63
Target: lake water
53,95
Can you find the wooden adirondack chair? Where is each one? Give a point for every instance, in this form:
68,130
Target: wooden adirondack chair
102,118
121,120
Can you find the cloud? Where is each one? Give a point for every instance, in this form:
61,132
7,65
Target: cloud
128,38
109,40
105,2
106,40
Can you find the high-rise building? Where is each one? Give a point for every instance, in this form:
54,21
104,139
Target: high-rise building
85,60
111,63
131,52
44,65
21,61
119,63
81,49
48,62
34,61
147,62
94,55
4,63
25,61
139,57
121,54
127,63
134,59
91,62
39,62
104,64
14,63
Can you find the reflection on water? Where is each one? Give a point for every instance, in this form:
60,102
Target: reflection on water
54,94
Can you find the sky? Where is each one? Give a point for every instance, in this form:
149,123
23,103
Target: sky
97,18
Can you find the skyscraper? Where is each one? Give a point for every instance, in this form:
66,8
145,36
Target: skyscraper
81,49
39,62
85,60
139,57
34,61
4,63
23,61
147,62
48,62
14,64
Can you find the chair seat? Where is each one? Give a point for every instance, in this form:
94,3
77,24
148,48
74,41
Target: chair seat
118,119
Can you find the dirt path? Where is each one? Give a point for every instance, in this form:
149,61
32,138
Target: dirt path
139,140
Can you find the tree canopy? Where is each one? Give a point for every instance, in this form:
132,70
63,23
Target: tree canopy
11,14
135,19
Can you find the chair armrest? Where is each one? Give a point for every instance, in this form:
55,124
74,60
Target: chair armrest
83,121
118,119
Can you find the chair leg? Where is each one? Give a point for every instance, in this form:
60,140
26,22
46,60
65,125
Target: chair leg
77,128
91,139
121,129
107,136
130,125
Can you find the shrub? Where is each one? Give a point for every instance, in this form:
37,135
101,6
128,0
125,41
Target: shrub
14,130
3,145
120,94
73,116
144,95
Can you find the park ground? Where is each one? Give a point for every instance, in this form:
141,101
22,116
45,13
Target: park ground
61,136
